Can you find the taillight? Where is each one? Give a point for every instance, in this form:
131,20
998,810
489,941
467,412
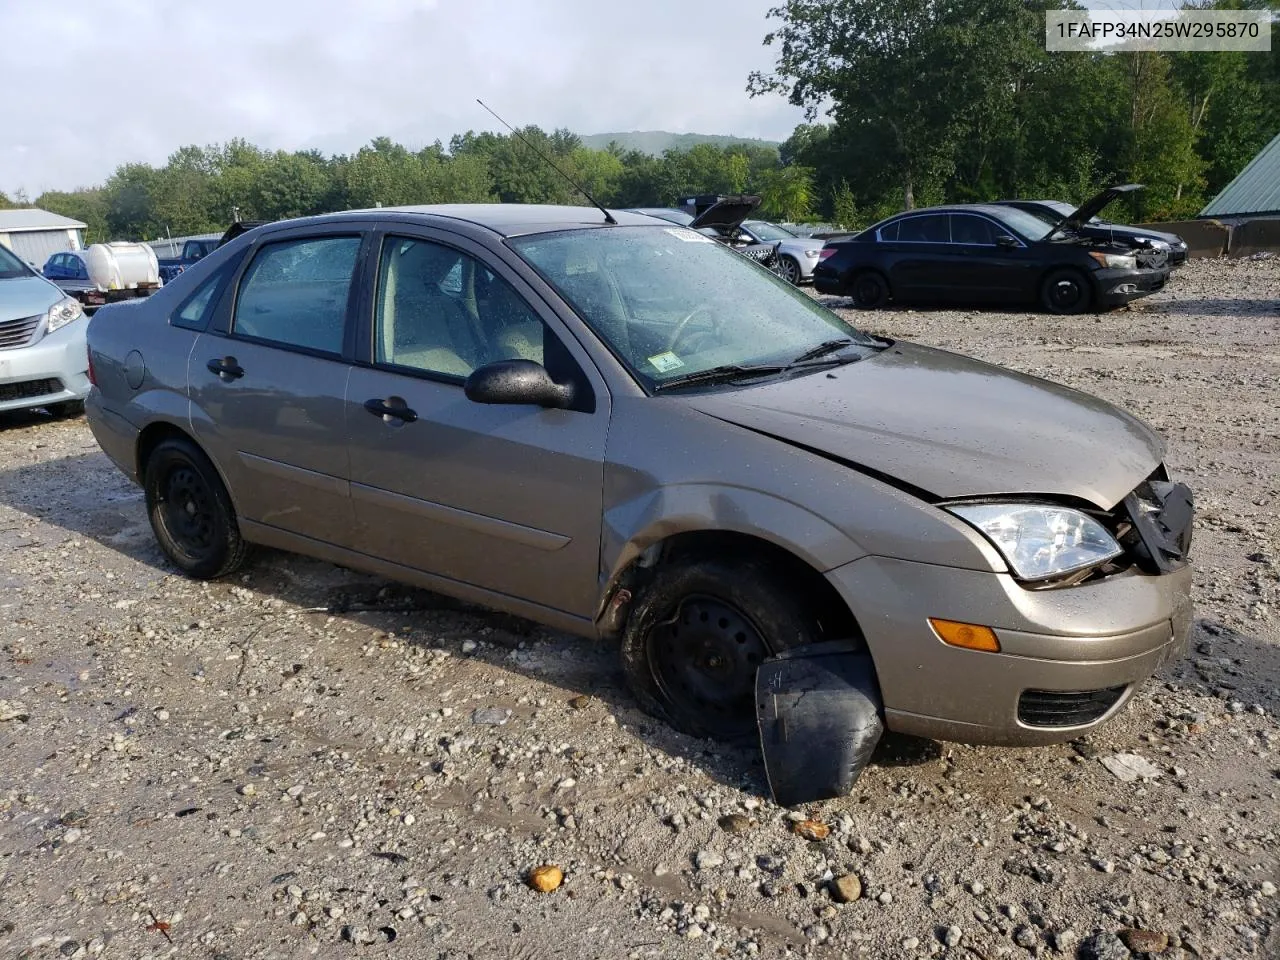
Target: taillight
89,371
826,252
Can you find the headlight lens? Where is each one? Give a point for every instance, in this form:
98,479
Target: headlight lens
1116,261
62,313
812,253
1041,541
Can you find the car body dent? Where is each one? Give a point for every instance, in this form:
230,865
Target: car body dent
672,469
954,426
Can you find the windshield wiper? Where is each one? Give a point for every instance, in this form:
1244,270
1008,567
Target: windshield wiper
822,349
721,374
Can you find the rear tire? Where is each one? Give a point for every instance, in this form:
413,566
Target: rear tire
191,512
1065,292
696,636
870,290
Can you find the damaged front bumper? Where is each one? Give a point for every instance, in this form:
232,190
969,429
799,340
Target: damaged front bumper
819,713
1115,288
1069,658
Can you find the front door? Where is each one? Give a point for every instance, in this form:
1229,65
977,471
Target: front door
268,385
502,497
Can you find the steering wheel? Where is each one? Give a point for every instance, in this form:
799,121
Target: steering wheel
683,325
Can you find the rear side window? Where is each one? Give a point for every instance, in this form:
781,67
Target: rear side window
295,293
195,312
929,228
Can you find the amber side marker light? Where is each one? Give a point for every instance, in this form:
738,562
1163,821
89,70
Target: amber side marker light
970,636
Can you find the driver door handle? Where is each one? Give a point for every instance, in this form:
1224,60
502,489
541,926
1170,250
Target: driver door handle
226,368
390,409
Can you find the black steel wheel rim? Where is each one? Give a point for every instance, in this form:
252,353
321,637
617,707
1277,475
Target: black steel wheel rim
704,658
868,290
1065,293
189,511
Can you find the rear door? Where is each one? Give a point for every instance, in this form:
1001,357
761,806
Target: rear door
922,263
506,498
268,382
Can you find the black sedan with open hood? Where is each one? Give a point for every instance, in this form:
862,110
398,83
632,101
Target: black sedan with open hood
991,254
1086,222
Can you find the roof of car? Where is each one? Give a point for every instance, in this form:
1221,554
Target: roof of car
515,219
990,209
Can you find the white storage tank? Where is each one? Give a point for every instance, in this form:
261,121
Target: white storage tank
121,265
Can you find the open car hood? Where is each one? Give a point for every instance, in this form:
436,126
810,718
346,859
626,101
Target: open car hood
727,214
1094,206
948,426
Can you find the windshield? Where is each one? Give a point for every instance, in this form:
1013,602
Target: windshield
1030,225
11,268
768,231
670,302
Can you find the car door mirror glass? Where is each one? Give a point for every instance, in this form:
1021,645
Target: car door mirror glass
516,382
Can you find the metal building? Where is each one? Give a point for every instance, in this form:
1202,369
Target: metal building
1254,192
35,235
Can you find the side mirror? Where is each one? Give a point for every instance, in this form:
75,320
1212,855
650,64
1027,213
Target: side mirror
517,381
1006,241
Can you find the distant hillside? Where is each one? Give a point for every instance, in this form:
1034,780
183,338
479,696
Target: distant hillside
656,141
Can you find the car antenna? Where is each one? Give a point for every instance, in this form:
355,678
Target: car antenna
608,217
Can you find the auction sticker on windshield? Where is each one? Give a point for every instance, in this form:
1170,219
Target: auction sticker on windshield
688,236
666,362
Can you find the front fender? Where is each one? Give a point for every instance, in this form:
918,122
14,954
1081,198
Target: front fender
632,526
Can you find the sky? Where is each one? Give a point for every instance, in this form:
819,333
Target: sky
92,84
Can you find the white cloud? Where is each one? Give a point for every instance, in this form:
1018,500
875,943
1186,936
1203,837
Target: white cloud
105,82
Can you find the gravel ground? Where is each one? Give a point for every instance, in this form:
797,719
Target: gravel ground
307,761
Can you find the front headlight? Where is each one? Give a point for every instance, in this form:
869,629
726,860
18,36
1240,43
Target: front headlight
62,313
812,253
1041,541
1116,261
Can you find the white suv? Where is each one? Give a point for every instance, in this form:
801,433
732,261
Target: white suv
43,361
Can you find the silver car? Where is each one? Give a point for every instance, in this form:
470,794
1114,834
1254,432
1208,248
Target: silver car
797,256
621,429
43,359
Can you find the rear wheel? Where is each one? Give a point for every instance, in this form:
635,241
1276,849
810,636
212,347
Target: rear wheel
697,635
1065,292
789,270
191,512
870,290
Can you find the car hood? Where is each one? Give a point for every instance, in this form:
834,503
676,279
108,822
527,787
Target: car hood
1094,206
799,246
950,426
727,214
26,297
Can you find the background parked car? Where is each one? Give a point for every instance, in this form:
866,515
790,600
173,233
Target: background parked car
43,359
105,272
1054,211
721,218
986,253
797,256
193,251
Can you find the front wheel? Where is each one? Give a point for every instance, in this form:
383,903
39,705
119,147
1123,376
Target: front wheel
789,270
1065,292
191,512
697,635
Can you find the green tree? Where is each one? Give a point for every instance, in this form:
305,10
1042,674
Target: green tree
911,77
787,193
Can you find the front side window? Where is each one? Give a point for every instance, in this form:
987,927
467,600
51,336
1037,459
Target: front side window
442,311
670,302
295,293
969,229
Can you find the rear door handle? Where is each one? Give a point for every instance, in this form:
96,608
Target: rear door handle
391,409
226,368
